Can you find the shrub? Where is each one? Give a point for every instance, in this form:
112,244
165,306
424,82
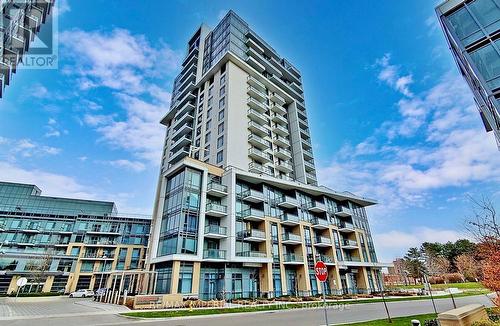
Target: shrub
431,322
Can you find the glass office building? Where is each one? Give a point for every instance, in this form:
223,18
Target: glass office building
63,244
472,31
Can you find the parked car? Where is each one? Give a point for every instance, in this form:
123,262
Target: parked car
81,294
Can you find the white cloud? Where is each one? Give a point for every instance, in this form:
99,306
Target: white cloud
61,7
135,70
50,183
395,243
117,60
135,166
437,142
25,148
390,74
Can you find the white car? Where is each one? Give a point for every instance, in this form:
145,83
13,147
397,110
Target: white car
82,294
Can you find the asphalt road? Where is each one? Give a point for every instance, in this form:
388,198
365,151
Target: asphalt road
315,317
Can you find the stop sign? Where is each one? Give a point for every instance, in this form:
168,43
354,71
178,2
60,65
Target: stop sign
321,271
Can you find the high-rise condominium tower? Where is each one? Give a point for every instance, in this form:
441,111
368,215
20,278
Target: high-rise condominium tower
20,21
472,29
238,211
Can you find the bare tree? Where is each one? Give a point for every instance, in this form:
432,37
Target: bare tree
39,267
483,225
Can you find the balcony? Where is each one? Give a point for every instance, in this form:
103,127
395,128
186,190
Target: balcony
279,119
31,230
251,214
349,244
281,141
252,235
181,142
214,254
257,94
290,239
253,196
311,178
308,153
98,243
183,130
95,256
284,167
216,189
287,202
179,155
276,98
184,119
259,155
258,129
289,219
252,254
282,153
215,232
306,143
280,130
256,105
346,227
276,108
258,142
343,211
328,260
187,108
322,242
255,64
255,168
114,232
256,83
316,207
293,259
254,115
305,132
320,223
216,210
309,165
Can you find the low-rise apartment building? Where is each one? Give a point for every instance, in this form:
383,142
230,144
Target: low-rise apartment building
62,244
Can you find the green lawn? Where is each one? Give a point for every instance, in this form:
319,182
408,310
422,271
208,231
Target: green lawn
400,321
197,312
463,286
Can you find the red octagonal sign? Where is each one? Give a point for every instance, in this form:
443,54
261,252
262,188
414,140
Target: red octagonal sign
321,271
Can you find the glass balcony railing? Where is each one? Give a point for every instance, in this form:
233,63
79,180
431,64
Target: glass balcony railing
254,254
252,233
250,212
214,254
216,187
326,259
323,240
213,207
290,237
291,218
293,258
349,243
216,229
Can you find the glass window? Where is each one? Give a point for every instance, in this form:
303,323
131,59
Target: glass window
485,11
464,25
221,115
487,62
220,128
207,137
220,141
222,102
220,157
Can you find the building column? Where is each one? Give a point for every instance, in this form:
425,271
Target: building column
48,283
195,287
266,278
176,269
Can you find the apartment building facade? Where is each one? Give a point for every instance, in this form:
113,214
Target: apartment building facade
61,244
238,212
472,29
21,20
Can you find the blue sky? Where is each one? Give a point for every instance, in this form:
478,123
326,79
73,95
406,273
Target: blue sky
390,117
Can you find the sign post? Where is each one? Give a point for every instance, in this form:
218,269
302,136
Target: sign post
20,283
322,275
